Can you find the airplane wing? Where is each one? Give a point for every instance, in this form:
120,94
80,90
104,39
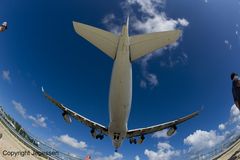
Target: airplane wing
141,45
152,129
102,129
105,41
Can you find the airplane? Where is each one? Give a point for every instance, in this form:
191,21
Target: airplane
123,49
3,26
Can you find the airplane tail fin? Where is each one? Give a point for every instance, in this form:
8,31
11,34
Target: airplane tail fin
105,41
141,45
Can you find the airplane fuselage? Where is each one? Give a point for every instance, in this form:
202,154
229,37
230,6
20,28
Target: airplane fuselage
120,95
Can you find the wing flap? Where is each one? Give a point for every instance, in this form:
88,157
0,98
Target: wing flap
77,116
141,45
105,41
155,128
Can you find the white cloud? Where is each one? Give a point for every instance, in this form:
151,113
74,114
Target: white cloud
221,126
201,140
143,84
152,79
181,58
183,22
149,79
228,44
109,21
165,152
6,75
157,23
137,157
147,6
234,114
20,109
115,156
206,1
66,139
152,20
162,134
52,142
226,41
39,120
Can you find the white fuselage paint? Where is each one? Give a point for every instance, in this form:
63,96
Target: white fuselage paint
120,95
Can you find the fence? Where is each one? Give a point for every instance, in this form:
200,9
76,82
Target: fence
38,146
216,151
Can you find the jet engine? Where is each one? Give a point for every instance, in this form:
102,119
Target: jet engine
3,26
171,131
66,117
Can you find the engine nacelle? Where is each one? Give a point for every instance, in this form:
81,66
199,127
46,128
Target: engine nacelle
171,131
66,117
3,26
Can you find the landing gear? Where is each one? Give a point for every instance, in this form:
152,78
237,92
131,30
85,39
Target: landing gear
95,135
99,136
116,137
139,141
132,140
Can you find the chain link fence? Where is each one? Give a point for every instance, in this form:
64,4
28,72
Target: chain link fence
38,146
213,153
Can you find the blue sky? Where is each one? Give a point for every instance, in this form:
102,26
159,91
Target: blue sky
41,48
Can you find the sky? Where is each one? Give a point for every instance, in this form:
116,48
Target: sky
41,48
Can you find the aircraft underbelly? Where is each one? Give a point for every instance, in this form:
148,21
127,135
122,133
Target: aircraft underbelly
120,95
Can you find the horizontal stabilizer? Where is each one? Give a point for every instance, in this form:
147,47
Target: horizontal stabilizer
141,45
105,41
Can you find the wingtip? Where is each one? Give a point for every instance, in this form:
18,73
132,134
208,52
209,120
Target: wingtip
74,25
200,110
